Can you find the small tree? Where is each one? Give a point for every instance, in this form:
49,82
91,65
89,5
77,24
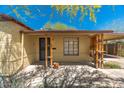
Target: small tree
57,26
72,10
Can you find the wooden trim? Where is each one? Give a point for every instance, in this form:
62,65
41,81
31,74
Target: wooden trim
114,48
116,38
46,55
39,49
68,31
106,46
99,50
51,49
102,48
96,49
118,49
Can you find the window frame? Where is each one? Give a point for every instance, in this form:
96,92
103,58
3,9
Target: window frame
73,47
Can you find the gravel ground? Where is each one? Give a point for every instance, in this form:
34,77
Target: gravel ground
66,76
116,74
116,59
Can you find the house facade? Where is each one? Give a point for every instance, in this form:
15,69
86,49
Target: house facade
21,46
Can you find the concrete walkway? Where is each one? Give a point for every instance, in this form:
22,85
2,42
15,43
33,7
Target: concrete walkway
116,59
114,73
117,75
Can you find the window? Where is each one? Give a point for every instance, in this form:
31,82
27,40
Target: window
71,46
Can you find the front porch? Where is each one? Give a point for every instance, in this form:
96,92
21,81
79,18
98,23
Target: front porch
92,48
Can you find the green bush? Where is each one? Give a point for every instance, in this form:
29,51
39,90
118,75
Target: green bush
111,65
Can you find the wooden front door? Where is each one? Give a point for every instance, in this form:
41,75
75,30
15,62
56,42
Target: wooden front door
42,50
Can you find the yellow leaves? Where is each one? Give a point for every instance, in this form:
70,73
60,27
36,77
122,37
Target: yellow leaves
85,10
60,8
71,10
56,26
92,14
15,11
97,6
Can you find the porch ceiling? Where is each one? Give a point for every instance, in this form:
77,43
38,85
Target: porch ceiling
113,36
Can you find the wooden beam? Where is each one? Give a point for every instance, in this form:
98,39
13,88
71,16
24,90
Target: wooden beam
46,54
102,48
117,48
51,49
106,46
96,49
99,50
120,52
22,48
114,46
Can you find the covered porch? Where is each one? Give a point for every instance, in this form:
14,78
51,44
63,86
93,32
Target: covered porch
96,48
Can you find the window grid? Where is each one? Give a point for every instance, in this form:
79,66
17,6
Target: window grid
71,46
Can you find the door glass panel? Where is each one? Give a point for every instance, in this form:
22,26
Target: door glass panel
42,49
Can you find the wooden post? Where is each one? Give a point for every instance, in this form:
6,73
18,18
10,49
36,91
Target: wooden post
46,56
99,50
106,47
102,49
114,52
51,49
118,49
96,57
22,48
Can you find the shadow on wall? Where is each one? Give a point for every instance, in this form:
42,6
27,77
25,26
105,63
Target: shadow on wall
10,48
10,54
29,50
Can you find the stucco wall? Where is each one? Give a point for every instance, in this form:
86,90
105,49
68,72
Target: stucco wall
84,43
58,55
29,50
10,47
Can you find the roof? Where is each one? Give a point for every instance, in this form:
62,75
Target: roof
108,34
68,31
4,17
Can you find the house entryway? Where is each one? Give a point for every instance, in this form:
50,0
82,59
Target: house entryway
46,50
42,50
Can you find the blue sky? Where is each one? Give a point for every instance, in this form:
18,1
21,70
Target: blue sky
107,18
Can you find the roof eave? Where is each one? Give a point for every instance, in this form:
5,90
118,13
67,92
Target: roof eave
67,31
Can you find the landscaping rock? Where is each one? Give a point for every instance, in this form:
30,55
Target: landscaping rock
65,76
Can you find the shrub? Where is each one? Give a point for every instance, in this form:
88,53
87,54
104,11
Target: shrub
111,65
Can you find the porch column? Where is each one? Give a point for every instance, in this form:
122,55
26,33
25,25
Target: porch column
117,48
96,50
99,50
102,53
22,48
51,49
114,49
106,46
46,56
